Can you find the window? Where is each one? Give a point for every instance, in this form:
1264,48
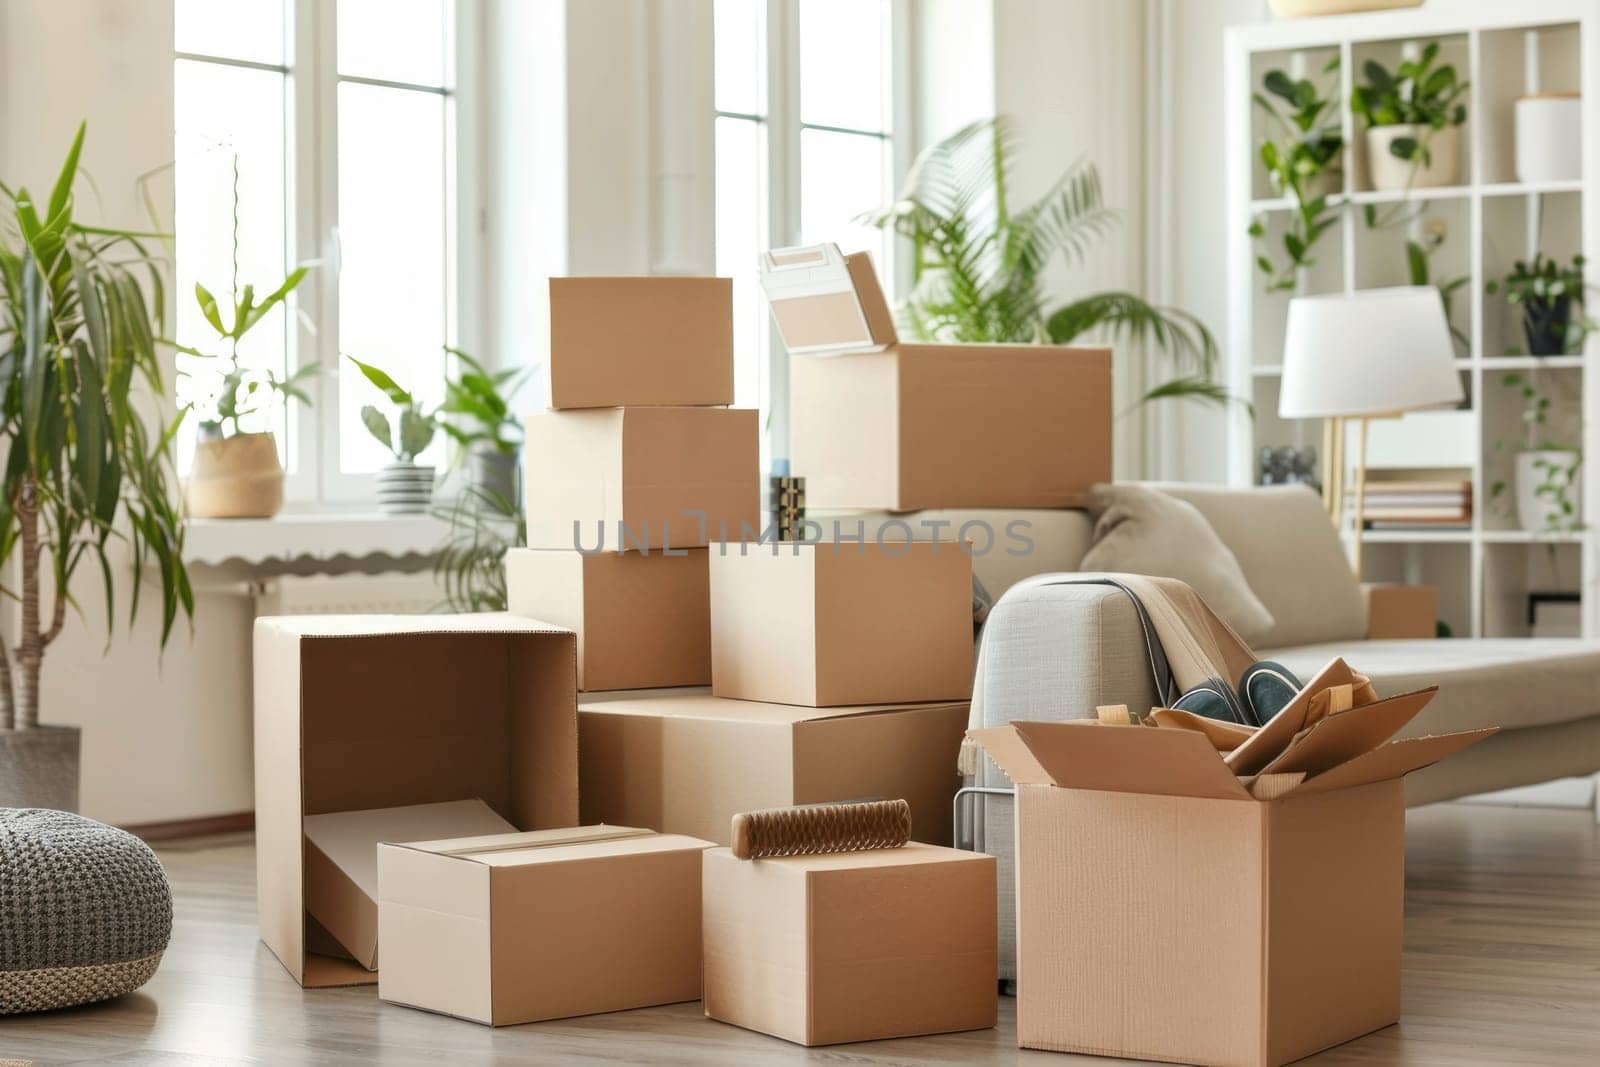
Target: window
338,120
805,123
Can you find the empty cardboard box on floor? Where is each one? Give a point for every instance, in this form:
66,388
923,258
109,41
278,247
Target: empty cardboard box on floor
641,477
515,928
837,623
636,341
1166,913
877,423
341,876
1401,611
378,711
851,946
686,763
643,620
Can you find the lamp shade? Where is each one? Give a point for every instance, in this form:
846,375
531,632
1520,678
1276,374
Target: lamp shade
1371,352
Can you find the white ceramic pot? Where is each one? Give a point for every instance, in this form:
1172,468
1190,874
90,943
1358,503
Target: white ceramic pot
1541,477
1549,137
405,489
236,477
1389,171
1299,9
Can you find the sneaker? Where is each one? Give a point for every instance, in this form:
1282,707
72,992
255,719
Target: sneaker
1211,701
1265,689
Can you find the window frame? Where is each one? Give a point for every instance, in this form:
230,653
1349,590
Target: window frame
314,479
782,125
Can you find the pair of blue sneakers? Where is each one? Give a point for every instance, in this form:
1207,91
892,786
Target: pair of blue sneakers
1264,689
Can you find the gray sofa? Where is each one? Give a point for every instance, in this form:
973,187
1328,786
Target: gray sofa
1055,651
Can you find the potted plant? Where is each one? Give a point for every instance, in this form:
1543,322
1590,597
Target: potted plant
488,433
978,264
404,488
1546,291
1414,118
86,467
1302,159
236,474
1548,497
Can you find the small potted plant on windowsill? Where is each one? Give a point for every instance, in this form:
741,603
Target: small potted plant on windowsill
404,487
1546,293
236,473
1414,118
487,431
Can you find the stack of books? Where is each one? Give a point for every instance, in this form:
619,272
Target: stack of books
1402,504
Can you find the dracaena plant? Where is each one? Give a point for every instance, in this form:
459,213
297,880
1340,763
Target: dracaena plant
1416,93
239,392
1303,146
413,429
83,463
978,261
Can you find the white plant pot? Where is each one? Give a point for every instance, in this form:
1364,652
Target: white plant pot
1538,509
1299,9
1549,137
1389,171
405,489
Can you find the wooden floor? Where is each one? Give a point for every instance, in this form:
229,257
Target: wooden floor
1502,966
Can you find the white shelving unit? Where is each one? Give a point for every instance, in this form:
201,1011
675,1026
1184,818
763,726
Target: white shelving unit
1485,573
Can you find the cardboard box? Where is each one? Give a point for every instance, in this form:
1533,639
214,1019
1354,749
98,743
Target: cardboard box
637,341
357,712
515,928
687,763
623,479
642,620
341,877
851,946
1401,611
1165,912
876,423
836,623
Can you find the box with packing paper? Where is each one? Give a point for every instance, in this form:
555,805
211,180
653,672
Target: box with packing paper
877,423
1199,892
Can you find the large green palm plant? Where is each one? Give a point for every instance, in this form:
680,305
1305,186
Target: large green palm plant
80,466
978,261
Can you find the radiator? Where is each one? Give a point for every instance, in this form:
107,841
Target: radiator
349,594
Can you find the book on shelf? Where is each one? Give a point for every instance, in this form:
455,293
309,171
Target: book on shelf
1391,505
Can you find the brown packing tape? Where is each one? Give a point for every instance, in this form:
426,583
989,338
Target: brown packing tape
1114,713
578,835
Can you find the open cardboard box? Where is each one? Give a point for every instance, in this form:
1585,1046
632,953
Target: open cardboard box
877,423
833,623
516,928
643,620
639,341
686,763
1213,896
376,711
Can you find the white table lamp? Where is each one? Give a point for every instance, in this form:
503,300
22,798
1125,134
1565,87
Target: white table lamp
1362,355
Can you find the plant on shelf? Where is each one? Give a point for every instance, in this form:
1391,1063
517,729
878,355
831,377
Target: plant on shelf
1546,292
1302,157
489,434
1414,116
978,263
87,476
404,488
1419,265
236,473
1545,472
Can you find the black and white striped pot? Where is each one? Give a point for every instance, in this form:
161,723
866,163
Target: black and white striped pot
405,489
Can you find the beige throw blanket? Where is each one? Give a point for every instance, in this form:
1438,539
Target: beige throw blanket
1186,643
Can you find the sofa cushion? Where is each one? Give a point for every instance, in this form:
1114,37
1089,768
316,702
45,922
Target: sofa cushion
1510,682
1143,531
1291,556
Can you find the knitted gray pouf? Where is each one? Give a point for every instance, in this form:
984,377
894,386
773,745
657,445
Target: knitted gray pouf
85,911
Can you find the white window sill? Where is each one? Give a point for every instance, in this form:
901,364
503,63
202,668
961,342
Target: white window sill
318,537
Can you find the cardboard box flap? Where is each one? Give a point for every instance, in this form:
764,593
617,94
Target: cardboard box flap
476,847
1345,735
726,709
1224,736
824,302
387,625
1393,760
1084,754
1253,755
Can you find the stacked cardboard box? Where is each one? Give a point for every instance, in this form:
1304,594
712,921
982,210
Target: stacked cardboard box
637,464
